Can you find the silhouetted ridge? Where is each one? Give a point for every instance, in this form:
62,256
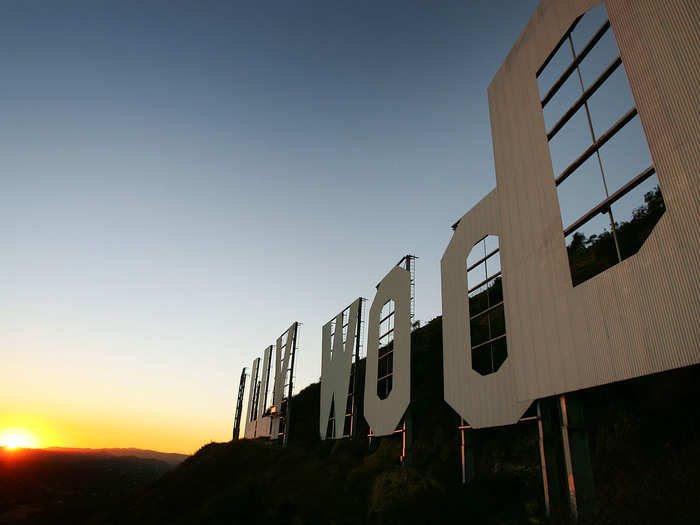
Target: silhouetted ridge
644,433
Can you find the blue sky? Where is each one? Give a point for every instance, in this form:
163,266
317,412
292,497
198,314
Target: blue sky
182,180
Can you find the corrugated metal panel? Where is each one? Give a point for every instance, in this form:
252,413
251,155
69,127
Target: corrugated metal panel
250,425
639,317
336,365
282,359
265,394
383,415
261,426
467,391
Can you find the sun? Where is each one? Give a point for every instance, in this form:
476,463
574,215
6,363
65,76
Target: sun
13,438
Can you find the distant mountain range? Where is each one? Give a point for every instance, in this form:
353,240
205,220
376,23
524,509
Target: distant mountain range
169,457
69,485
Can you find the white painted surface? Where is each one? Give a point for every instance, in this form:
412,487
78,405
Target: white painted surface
335,368
383,415
249,423
639,317
283,352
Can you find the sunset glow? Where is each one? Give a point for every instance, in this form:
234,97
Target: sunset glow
33,424
18,438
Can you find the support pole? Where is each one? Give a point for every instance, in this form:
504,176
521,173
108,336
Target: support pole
551,447
543,462
464,464
586,503
408,415
407,436
568,463
403,443
467,456
566,459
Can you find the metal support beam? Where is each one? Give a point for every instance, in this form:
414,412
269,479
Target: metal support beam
403,443
567,472
582,462
568,463
239,407
291,386
553,459
463,457
543,463
406,437
467,456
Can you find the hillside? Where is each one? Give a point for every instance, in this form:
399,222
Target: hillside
644,436
168,457
67,486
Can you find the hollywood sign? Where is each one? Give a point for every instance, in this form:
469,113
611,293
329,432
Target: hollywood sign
387,381
535,301
268,410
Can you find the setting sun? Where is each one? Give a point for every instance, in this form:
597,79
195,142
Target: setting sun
18,438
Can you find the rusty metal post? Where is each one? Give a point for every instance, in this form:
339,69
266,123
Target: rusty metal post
568,463
543,462
403,443
464,464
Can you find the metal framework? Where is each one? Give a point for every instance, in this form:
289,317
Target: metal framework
409,263
485,307
468,474
605,206
285,406
567,445
330,426
385,360
568,463
239,406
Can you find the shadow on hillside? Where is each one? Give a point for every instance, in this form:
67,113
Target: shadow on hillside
644,438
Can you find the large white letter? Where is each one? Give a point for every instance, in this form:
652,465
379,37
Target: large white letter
383,415
265,383
482,400
336,364
261,425
284,352
251,412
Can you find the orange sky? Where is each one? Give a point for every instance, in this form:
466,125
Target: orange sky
110,429
82,427
153,246
81,405
68,430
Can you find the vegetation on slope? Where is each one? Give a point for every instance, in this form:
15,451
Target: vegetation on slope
343,481
589,256
644,438
65,486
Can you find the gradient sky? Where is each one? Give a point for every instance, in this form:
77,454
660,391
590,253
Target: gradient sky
182,180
